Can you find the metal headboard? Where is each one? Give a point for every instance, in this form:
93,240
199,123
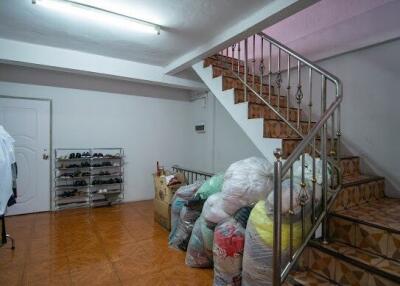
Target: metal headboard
192,175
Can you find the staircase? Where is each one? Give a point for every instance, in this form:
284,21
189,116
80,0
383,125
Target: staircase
361,227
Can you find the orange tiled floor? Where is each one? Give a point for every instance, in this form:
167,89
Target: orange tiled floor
120,245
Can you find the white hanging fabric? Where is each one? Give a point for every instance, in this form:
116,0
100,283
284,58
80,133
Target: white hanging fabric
7,158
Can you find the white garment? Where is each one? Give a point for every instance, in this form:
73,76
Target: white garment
7,158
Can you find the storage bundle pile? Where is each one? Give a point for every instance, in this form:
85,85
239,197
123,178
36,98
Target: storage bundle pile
218,227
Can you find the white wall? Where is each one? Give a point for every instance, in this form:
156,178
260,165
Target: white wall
148,125
370,108
224,141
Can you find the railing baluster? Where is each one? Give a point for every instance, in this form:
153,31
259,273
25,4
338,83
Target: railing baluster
233,56
324,162
279,80
288,89
261,69
332,151
310,103
291,213
269,73
238,66
303,196
338,134
299,94
276,268
254,61
313,181
245,68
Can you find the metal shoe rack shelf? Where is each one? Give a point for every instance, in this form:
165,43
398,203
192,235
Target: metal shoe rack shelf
94,179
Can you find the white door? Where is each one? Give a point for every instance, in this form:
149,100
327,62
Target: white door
28,122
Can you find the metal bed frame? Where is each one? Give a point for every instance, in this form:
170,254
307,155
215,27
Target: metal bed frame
192,175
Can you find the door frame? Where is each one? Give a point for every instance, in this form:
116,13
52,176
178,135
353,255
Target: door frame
50,143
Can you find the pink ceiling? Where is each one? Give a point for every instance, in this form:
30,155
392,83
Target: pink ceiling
332,27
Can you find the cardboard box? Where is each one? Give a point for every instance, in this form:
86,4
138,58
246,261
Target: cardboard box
162,213
163,192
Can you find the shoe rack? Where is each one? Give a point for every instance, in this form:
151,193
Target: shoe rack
87,177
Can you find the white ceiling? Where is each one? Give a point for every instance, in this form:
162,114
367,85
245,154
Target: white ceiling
187,24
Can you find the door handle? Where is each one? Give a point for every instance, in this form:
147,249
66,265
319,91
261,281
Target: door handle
45,156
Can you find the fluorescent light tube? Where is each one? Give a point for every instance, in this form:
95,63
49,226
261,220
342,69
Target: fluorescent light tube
99,15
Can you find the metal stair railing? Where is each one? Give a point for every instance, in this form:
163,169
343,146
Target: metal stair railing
326,130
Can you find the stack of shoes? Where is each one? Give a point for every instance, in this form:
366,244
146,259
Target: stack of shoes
107,182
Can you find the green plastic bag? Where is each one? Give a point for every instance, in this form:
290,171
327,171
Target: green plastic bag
210,187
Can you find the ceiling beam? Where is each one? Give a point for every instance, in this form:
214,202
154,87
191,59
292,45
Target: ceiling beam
51,58
270,14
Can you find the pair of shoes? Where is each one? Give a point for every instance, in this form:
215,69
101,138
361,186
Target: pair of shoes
106,164
85,164
77,173
102,191
86,155
75,156
73,166
85,174
103,173
80,183
98,155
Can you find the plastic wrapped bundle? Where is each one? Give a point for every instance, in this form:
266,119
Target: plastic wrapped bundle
199,252
298,193
187,219
187,192
211,186
308,169
229,237
176,207
212,210
182,196
246,182
257,256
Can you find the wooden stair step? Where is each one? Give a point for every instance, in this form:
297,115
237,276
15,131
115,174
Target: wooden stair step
347,265
263,111
289,144
350,166
279,129
252,98
233,82
307,277
225,65
224,58
359,190
382,213
223,71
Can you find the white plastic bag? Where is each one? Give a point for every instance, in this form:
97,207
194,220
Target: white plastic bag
246,182
212,209
298,194
199,252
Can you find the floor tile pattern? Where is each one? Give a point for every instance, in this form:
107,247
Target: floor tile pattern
119,245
